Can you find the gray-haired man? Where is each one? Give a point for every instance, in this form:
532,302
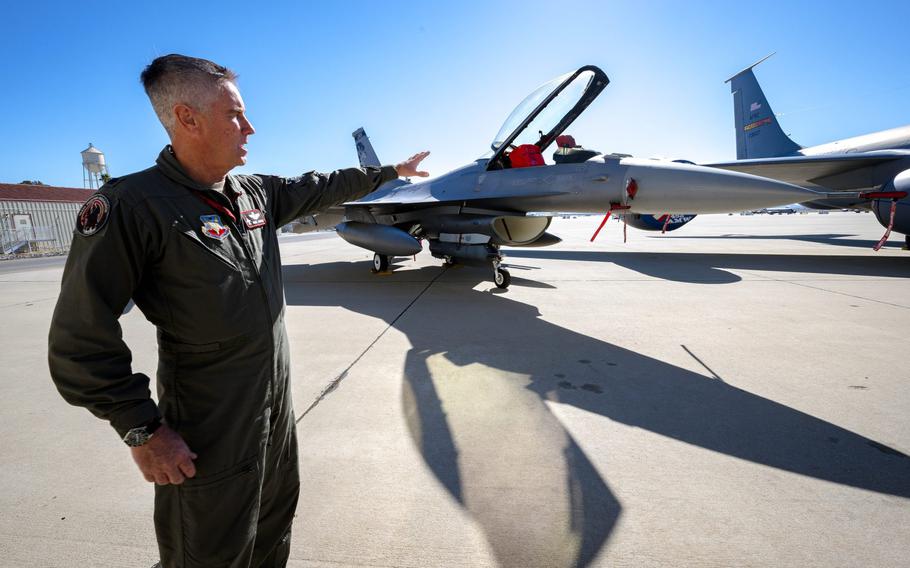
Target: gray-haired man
197,250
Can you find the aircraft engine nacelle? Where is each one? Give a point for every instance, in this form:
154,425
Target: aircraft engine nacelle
652,223
882,207
383,239
502,230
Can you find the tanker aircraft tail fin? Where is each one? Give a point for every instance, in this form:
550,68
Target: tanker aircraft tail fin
365,152
758,134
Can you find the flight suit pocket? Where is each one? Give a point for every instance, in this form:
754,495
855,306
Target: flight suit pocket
207,288
246,468
219,515
196,240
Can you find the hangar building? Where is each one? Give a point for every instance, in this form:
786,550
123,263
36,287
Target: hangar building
38,219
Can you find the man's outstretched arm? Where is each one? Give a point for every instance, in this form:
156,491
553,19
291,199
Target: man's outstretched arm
313,192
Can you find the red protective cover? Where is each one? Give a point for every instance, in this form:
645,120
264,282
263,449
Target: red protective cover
566,141
526,155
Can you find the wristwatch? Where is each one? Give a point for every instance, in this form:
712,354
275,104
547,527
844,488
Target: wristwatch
140,435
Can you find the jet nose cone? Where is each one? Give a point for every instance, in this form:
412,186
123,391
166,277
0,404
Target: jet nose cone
670,187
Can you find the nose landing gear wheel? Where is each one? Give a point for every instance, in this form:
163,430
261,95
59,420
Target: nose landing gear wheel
380,262
502,278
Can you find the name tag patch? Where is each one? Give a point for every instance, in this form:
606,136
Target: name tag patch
213,228
253,218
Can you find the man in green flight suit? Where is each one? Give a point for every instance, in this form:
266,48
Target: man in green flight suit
197,250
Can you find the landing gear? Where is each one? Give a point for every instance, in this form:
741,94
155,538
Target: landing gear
501,276
487,254
380,262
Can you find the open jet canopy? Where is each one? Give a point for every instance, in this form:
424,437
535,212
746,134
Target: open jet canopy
547,112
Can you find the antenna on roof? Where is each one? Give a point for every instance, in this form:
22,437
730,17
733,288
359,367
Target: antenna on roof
94,170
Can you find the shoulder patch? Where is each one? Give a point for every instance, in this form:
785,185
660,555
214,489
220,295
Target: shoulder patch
93,215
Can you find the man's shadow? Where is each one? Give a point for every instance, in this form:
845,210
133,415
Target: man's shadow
479,383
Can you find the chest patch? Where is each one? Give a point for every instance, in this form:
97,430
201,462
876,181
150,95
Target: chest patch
213,228
93,215
253,218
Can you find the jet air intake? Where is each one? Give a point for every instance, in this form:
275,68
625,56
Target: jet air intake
502,230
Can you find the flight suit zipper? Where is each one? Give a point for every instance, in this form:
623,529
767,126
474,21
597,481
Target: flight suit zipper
236,223
265,298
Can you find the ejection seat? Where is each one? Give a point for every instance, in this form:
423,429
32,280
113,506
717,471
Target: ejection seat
569,152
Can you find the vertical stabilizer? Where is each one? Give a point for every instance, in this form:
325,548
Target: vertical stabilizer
365,152
758,134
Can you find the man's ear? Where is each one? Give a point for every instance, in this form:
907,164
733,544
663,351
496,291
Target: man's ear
186,117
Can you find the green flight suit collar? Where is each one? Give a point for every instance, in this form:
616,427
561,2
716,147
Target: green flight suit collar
169,166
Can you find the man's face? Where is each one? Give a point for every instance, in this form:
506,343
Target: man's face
226,128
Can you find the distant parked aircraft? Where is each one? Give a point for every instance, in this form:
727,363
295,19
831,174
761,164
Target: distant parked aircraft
872,169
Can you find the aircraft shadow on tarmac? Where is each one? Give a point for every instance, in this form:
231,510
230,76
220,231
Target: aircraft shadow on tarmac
825,239
475,391
713,268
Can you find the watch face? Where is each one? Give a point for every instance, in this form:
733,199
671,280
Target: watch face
137,437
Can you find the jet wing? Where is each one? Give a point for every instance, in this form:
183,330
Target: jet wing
811,170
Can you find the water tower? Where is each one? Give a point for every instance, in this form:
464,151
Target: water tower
94,169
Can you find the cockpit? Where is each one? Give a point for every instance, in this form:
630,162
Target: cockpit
542,117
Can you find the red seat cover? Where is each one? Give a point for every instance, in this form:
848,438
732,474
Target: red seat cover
526,155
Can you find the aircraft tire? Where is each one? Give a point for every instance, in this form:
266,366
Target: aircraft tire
380,262
502,279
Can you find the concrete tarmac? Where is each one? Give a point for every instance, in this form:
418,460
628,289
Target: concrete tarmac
733,393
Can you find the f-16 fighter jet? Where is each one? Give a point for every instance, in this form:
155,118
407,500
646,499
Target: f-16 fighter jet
509,196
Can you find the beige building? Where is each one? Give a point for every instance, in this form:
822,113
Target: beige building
38,219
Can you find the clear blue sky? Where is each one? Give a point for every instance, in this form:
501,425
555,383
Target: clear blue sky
441,76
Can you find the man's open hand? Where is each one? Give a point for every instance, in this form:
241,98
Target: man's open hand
165,458
408,168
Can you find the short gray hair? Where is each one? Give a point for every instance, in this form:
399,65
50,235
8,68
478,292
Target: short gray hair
175,79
